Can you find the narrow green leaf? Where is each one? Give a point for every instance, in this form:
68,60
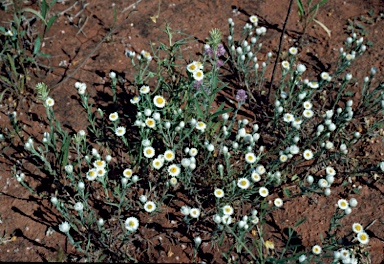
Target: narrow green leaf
199,111
301,8
37,45
13,68
317,6
287,192
300,221
5,79
44,7
36,13
50,22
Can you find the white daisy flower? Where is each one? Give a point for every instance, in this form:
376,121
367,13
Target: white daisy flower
174,170
285,65
363,238
307,105
144,89
157,163
101,172
250,157
255,220
150,122
343,204
313,84
316,249
114,116
288,117
255,176
135,99
198,75
201,126
357,228
260,169
308,113
322,183
228,210
263,192
243,183
283,158
159,101
92,174
219,193
120,131
99,163
173,181
278,202
149,206
146,55
308,154
131,224
193,67
49,102
169,155
127,173
194,213
325,76
292,51
253,19
193,152
343,254
297,122
330,171
149,152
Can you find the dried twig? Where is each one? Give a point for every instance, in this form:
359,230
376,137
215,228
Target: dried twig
278,52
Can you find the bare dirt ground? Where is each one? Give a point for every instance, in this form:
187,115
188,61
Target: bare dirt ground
75,35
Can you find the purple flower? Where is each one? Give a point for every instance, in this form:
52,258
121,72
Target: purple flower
241,95
197,85
208,50
220,50
219,63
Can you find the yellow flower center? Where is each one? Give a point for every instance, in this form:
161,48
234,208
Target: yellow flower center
131,223
160,100
150,122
